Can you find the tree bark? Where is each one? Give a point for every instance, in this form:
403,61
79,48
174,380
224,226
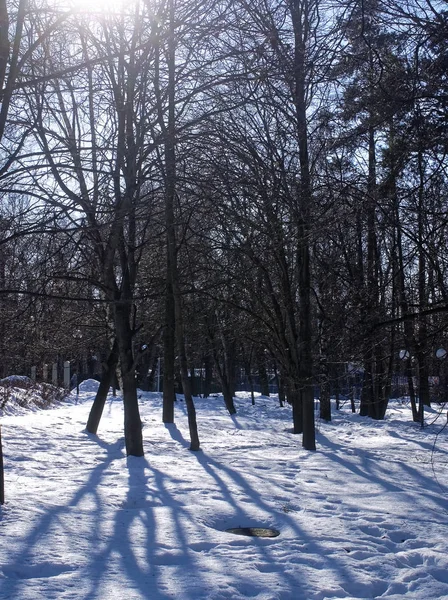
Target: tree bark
186,382
228,396
208,376
262,374
107,375
300,21
132,421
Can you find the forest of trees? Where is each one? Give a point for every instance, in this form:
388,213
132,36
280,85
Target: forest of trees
231,185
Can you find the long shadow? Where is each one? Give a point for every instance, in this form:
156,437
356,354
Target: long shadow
136,548
176,435
355,469
213,468
143,561
374,470
236,422
31,547
424,445
428,490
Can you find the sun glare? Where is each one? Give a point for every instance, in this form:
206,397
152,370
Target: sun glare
98,6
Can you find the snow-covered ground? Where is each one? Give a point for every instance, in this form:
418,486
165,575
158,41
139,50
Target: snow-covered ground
363,517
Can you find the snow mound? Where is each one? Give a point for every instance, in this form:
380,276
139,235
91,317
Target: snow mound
20,394
17,381
89,386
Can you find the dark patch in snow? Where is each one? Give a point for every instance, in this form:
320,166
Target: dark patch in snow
254,531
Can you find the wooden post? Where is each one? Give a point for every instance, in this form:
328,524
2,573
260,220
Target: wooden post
67,374
54,374
2,478
352,398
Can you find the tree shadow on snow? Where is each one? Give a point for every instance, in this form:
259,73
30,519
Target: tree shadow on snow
375,468
148,562
26,564
244,504
176,435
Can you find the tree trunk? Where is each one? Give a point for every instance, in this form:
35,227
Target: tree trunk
169,386
404,307
107,375
228,396
409,375
186,386
422,346
223,370
169,334
251,386
325,395
337,386
280,386
148,366
132,421
230,366
300,21
325,400
262,374
208,368
247,359
186,383
352,399
295,399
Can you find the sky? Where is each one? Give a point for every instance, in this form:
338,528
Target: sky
365,516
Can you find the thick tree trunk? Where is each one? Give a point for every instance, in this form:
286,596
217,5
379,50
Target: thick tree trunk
223,371
168,129
325,395
410,378
251,386
352,399
404,307
230,366
280,387
300,21
297,415
186,382
9,56
247,359
262,374
422,346
228,396
107,375
325,400
337,387
132,421
169,385
4,41
369,397
186,387
295,399
208,368
148,366
387,380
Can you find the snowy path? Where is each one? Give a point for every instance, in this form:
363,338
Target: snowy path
363,517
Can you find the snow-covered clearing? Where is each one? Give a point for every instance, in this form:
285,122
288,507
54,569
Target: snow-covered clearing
363,517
